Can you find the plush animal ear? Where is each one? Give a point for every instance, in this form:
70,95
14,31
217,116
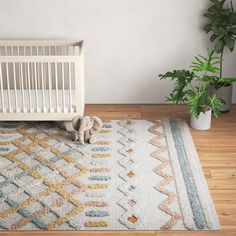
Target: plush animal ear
97,123
76,122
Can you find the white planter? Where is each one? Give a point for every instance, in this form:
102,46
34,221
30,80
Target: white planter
203,122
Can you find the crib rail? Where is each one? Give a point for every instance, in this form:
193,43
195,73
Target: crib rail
39,50
41,79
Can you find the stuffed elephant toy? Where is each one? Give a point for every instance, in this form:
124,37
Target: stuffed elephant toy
85,127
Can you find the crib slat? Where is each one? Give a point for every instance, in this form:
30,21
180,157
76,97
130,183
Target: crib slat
56,85
11,51
43,92
14,78
8,88
43,78
70,92
37,66
24,73
56,79
50,87
18,75
14,75
22,87
36,87
29,87
31,71
1,83
7,78
63,87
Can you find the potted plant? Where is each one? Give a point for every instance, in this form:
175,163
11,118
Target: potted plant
191,88
222,26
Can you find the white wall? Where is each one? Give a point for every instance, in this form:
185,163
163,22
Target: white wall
128,42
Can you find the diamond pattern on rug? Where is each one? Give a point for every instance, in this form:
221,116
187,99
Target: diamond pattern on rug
48,165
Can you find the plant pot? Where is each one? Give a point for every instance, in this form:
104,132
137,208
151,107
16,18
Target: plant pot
224,93
203,122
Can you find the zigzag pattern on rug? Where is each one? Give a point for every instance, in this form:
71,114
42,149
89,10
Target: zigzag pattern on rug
165,206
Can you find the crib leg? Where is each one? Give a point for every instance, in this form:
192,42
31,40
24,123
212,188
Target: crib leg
67,125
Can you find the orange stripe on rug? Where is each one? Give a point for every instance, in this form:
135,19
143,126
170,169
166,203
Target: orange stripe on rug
159,170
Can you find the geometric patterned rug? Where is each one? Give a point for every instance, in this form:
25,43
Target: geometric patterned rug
139,175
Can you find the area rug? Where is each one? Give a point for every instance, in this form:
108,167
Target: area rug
140,175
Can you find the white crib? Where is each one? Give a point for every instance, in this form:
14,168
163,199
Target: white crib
41,80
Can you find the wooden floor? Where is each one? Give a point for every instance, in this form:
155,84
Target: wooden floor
216,149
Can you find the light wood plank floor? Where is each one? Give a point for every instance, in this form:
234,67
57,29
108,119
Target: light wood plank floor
217,152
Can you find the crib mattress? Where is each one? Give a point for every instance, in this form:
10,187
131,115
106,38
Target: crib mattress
63,105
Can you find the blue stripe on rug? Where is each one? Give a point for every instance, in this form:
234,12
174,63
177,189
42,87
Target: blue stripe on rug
196,207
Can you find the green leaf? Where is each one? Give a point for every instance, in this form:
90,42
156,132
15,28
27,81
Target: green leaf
213,37
206,64
233,31
230,43
218,82
227,80
214,1
215,104
197,102
218,30
207,28
233,18
183,78
219,46
212,9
